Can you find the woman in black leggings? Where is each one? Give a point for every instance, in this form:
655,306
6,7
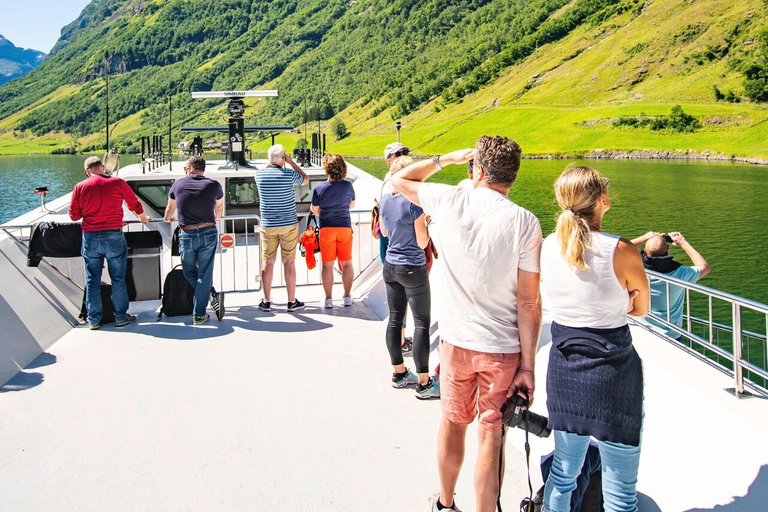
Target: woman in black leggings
405,275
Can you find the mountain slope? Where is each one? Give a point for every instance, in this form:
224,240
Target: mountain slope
15,62
555,72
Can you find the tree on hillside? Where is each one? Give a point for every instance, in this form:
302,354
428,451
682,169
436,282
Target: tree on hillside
756,72
338,128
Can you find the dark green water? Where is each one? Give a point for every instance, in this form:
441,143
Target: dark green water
719,207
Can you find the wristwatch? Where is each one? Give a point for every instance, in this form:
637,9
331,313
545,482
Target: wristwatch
436,161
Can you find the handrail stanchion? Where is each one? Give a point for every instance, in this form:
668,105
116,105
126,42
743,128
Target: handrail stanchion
688,306
738,371
711,320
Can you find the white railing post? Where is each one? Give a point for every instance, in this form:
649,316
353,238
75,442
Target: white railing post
738,372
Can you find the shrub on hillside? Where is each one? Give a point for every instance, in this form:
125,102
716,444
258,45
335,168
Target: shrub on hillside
676,121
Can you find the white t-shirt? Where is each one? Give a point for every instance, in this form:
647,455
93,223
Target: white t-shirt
483,238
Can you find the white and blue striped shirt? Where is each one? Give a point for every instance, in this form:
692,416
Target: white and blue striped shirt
276,196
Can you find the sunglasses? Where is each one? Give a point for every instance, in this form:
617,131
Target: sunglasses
402,152
606,182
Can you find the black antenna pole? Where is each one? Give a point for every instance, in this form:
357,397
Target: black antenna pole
107,111
170,132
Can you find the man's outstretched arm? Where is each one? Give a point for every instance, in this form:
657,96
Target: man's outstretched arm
408,180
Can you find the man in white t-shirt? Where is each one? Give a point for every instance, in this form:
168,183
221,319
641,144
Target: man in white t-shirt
490,315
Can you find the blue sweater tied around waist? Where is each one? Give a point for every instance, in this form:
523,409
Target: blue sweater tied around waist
595,383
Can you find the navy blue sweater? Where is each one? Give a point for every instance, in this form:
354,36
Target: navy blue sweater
595,384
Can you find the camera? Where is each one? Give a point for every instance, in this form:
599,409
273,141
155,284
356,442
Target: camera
514,413
668,239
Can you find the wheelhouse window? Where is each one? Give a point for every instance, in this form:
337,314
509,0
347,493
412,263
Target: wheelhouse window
153,192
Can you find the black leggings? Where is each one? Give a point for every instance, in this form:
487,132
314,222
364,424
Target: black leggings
408,285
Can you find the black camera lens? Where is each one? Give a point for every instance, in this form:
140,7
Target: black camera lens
668,239
470,166
514,413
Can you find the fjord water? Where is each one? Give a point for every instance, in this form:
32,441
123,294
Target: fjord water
719,207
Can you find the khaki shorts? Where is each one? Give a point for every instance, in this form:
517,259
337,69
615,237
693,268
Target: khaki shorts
475,383
287,237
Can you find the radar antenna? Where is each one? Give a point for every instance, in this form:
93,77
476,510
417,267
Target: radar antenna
236,126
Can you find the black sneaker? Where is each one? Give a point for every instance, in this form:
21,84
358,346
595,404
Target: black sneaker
265,305
217,304
407,345
295,305
200,320
129,319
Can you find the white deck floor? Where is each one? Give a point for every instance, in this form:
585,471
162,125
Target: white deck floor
294,412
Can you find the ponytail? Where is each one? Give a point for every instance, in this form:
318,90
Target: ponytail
577,190
573,234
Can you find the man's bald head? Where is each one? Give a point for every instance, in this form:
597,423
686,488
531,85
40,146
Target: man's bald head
656,246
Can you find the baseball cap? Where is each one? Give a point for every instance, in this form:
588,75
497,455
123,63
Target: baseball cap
394,147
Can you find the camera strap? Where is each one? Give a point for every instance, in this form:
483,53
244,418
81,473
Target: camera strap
527,505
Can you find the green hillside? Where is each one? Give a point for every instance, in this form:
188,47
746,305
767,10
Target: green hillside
560,76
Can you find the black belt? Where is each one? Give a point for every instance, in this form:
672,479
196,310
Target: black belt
107,230
198,226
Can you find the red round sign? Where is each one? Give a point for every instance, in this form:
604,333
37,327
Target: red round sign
227,241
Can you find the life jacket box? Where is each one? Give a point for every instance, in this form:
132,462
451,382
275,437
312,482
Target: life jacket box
143,274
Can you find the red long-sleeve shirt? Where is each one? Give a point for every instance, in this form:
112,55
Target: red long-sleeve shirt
99,202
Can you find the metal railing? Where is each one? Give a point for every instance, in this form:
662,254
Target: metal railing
725,341
365,251
238,260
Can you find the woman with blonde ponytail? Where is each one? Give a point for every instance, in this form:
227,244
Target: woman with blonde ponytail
591,281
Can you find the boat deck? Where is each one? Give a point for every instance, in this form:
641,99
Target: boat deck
294,412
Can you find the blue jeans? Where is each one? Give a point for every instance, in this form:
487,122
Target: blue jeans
98,246
197,248
619,470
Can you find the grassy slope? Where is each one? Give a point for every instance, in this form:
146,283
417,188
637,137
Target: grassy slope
581,83
573,91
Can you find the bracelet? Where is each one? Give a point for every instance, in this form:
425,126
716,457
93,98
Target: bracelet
436,161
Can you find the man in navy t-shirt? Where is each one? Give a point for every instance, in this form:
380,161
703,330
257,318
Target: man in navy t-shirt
200,202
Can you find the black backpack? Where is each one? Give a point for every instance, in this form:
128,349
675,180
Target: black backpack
107,308
178,294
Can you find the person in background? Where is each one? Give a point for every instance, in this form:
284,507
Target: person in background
200,203
331,202
490,312
392,152
656,257
98,201
407,282
591,281
280,226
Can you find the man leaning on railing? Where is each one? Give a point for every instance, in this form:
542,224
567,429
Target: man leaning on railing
98,200
656,257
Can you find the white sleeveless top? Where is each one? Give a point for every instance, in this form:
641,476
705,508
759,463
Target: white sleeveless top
584,298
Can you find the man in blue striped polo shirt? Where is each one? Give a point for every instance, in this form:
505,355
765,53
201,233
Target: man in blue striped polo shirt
280,226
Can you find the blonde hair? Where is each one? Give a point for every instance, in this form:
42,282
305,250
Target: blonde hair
577,191
398,164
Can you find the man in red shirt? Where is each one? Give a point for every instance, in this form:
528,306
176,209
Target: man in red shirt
98,200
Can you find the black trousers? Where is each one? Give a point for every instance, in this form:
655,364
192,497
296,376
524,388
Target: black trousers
408,285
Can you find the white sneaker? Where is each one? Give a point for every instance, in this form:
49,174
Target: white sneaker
347,301
328,303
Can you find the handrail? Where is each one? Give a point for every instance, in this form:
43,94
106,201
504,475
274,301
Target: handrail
735,356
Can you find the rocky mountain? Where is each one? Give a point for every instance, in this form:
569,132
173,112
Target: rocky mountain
15,62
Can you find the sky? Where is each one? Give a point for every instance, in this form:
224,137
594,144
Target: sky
37,24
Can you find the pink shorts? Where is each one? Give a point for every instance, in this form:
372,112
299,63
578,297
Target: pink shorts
474,382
